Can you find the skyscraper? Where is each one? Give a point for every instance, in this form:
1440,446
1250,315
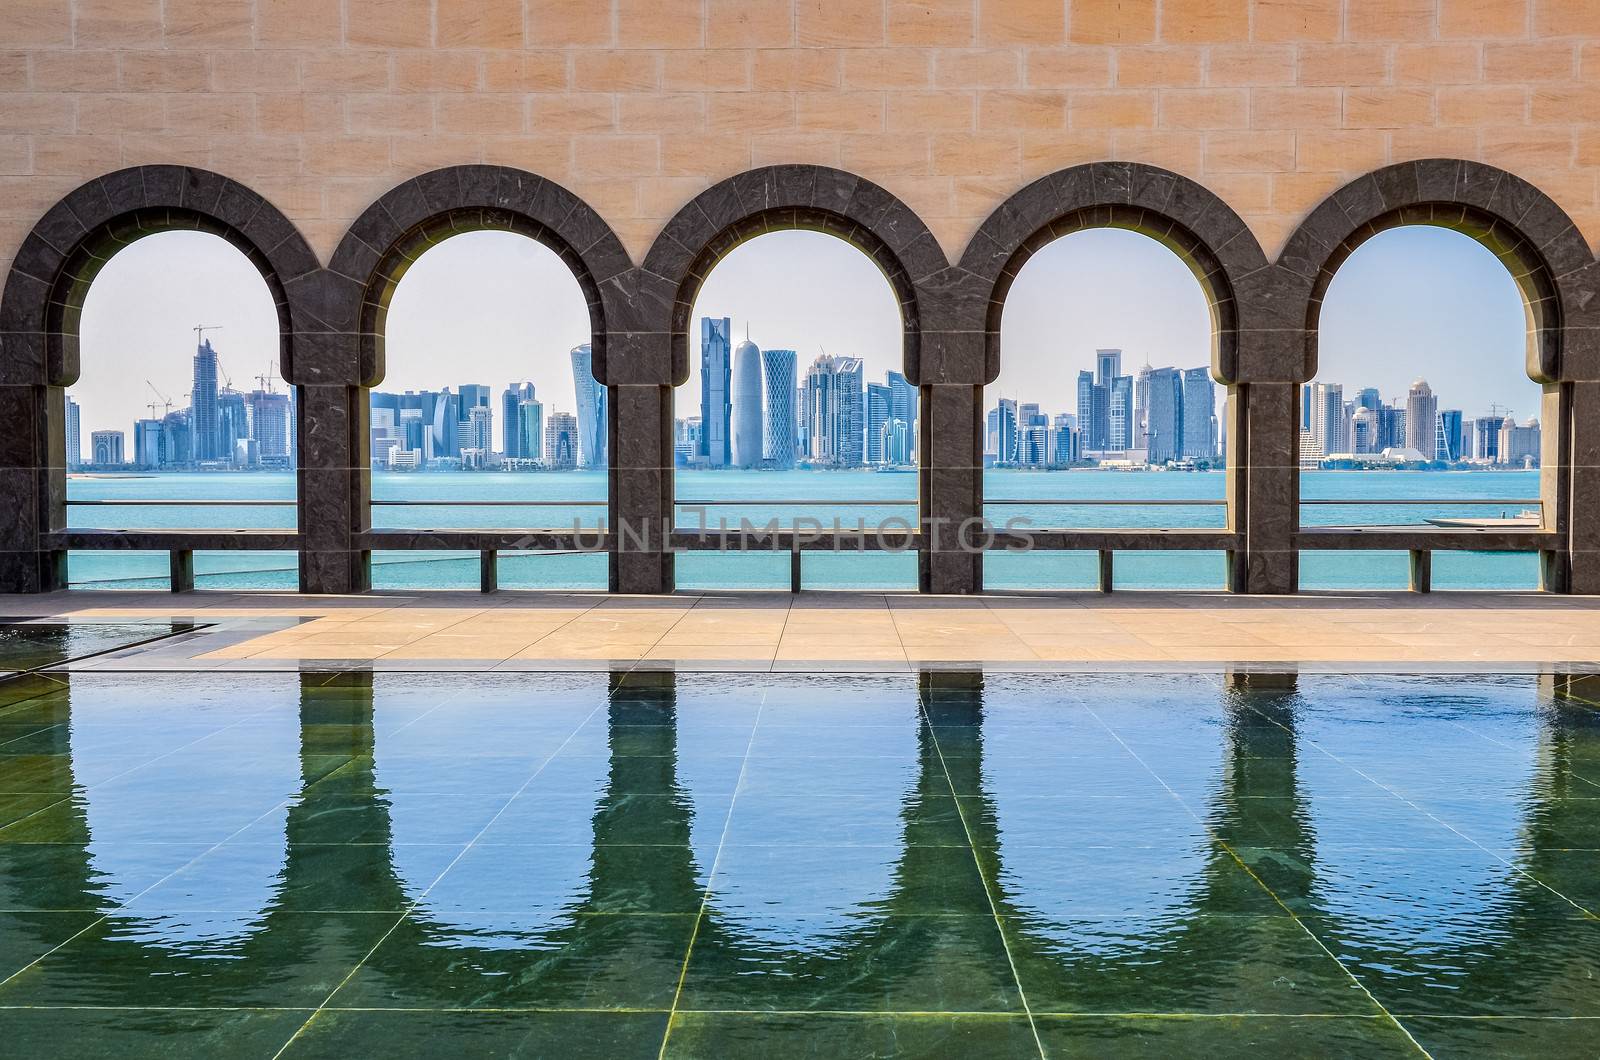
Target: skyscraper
778,440
1141,407
74,436
1487,447
1086,412
591,397
233,423
1000,435
480,429
903,406
561,440
530,429
147,443
1165,419
835,412
1364,431
203,406
1422,419
1108,365
716,405
1450,434
269,426
1369,398
879,401
746,413
511,434
1105,404
446,424
1199,415
1327,418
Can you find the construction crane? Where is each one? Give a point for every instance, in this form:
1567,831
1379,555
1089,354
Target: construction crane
265,379
166,401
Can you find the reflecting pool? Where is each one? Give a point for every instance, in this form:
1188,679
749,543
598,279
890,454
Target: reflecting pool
609,865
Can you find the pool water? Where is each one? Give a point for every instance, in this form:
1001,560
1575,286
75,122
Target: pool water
614,865
31,645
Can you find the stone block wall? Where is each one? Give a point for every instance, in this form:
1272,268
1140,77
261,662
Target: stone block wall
1260,139
639,105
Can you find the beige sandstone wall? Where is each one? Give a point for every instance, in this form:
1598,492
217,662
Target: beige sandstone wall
322,105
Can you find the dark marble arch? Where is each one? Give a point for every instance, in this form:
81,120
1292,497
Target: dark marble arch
775,198
332,317
356,289
42,306
1197,226
1553,268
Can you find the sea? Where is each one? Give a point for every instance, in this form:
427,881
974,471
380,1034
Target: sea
823,498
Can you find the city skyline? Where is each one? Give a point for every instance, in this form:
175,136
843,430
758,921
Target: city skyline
140,313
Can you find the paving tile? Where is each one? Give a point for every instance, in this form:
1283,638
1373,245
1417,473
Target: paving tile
1249,1035
626,961
291,960
1535,1039
1179,964
399,1034
954,963
1471,966
117,1032
850,1037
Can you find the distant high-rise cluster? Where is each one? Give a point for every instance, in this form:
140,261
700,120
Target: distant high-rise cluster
445,430
756,413
1336,432
222,428
1161,416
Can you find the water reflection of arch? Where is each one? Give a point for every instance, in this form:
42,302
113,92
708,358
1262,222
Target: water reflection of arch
1113,898
1450,887
1259,794
822,854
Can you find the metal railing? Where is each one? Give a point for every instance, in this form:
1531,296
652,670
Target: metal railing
1105,541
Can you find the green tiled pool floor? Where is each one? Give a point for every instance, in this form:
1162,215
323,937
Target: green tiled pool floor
31,645
718,865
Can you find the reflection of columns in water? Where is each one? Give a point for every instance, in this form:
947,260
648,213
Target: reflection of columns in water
473,956
1261,804
642,735
1176,935
66,881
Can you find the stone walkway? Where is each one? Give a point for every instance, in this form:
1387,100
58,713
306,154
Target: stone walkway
835,631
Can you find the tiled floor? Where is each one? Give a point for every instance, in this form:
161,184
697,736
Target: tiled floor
654,863
836,631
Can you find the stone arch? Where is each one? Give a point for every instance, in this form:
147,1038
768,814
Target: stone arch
42,306
353,302
1546,255
61,256
408,220
753,203
777,198
1188,219
1533,237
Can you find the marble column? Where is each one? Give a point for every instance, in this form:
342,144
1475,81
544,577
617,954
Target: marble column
1583,490
950,451
1264,443
640,489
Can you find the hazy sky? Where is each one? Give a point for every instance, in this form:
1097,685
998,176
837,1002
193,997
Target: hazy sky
492,307
139,320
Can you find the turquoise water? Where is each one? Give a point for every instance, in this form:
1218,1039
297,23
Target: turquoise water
826,499
599,865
